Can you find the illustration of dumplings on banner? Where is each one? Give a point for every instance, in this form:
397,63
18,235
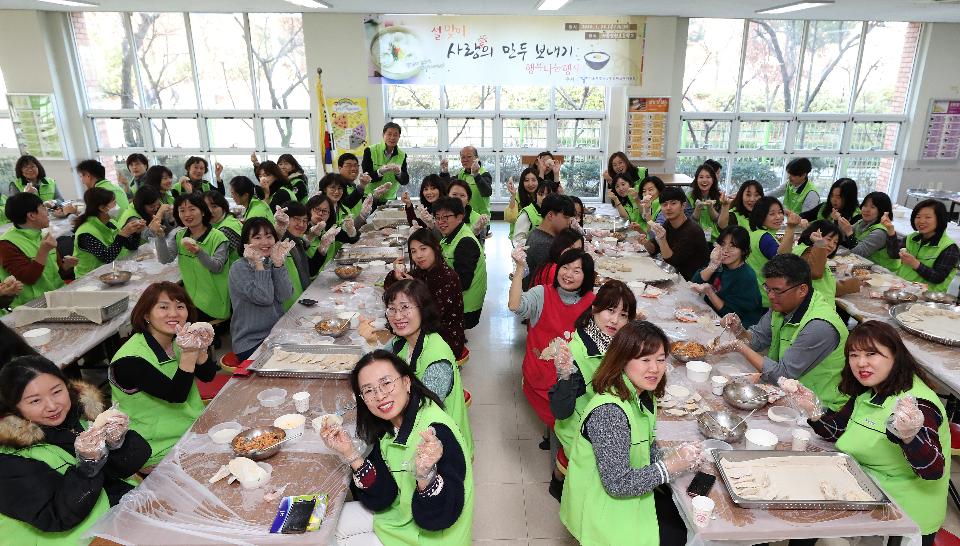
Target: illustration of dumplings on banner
597,59
397,53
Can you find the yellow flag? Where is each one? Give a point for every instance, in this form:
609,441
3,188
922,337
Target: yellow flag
322,122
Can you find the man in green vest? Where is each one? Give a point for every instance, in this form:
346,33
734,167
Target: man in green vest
385,163
477,177
801,336
464,253
800,195
29,254
93,174
349,168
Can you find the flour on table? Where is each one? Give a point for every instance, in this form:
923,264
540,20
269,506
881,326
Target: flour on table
932,320
789,478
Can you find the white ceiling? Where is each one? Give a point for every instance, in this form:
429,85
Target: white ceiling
875,10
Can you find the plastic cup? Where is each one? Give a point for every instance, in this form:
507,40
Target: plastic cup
801,437
702,510
301,401
717,383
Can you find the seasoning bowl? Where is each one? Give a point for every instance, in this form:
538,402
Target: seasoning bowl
252,433
224,433
271,398
38,337
348,272
759,439
116,278
721,425
745,396
939,297
895,296
698,371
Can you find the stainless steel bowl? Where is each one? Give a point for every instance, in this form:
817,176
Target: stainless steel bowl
939,297
252,433
895,296
116,278
723,425
745,396
681,358
332,327
347,274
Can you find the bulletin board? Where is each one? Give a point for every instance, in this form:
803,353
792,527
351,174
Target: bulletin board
349,123
646,128
941,139
34,118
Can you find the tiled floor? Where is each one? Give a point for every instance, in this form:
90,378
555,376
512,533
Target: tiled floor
511,472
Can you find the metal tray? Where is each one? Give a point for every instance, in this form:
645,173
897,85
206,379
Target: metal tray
352,254
859,262
258,366
896,310
865,481
120,303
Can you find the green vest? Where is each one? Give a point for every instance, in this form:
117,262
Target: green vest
590,514
3,206
167,198
204,186
706,221
566,429
23,534
46,189
633,211
297,180
258,209
925,501
516,202
294,275
927,254
378,153
435,349
209,291
742,221
395,525
472,296
757,260
479,203
104,233
355,209
229,222
118,193
827,284
161,423
122,220
879,257
534,215
793,200
28,241
824,377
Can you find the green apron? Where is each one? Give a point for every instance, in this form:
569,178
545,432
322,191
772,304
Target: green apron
3,213
87,262
23,534
706,221
925,501
229,222
378,154
395,525
209,291
122,220
28,241
479,203
757,260
161,423
879,257
742,221
927,254
294,275
118,193
827,284
793,200
534,215
46,189
824,377
258,209
351,188
204,186
591,515
298,180
566,429
472,296
435,349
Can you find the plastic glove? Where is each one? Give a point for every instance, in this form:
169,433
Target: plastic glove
519,255
482,222
279,252
801,398
364,179
699,288
339,441
444,165
511,189
716,256
91,449
907,419
381,191
682,459
563,361
817,239
350,226
252,255
282,219
367,206
328,238
115,429
424,215
194,337
316,230
405,197
793,219
428,454
731,321
887,223
659,232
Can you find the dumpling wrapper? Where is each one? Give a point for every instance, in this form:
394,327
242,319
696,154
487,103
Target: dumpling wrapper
105,416
329,419
246,470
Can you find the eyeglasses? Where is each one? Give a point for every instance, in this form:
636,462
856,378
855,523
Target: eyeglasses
777,291
444,217
387,384
403,309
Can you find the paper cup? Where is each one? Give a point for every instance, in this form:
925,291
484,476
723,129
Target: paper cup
301,401
717,383
702,510
801,437
293,424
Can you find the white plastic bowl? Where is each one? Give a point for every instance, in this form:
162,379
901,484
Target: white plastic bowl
38,336
224,432
292,423
698,370
783,414
253,484
271,398
759,439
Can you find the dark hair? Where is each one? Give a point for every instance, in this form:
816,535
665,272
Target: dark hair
656,181
870,335
583,210
561,242
291,160
254,226
760,210
527,198
137,158
791,267
545,154
318,200
195,199
20,205
271,168
714,164
713,192
149,298
22,162
154,176
672,193
196,159
882,202
939,209
559,204
800,166
826,227
419,292
611,294
632,171
219,200
740,238
146,195
848,194
460,184
450,204
391,125
12,345
426,237
92,167
371,428
243,186
330,179
738,205
586,261
636,339
19,372
624,199
93,199
432,181
296,208
344,157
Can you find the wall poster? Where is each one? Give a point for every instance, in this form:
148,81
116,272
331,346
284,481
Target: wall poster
646,138
349,125
941,140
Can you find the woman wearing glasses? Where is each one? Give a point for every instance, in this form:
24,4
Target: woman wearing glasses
416,485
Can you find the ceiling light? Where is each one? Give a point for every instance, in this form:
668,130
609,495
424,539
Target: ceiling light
549,5
796,6
310,4
75,3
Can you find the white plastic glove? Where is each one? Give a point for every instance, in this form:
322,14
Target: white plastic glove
716,255
801,398
194,337
280,251
328,238
482,222
682,459
699,288
519,255
367,206
381,191
511,189
444,165
424,215
907,419
349,226
115,429
91,449
731,321
659,232
282,219
339,441
428,454
364,179
316,230
563,361
252,255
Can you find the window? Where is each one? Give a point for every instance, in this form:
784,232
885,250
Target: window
757,93
504,123
9,148
173,85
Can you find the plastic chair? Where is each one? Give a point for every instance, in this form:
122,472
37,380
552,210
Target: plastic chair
464,358
229,362
209,390
946,538
954,451
467,398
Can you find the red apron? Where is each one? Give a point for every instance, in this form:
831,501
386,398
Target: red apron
538,374
545,276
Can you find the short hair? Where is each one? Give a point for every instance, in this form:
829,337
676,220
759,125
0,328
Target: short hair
826,227
656,181
869,336
330,179
450,204
391,125
713,164
93,168
219,200
192,160
586,261
426,237
195,199
419,292
800,166
22,162
740,238
461,184
93,199
790,267
288,158
882,202
155,174
257,225
559,204
738,200
242,185
146,195
760,210
611,294
939,209
636,339
344,157
672,193
149,298
273,169
432,181
20,205
295,208
318,200
137,158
